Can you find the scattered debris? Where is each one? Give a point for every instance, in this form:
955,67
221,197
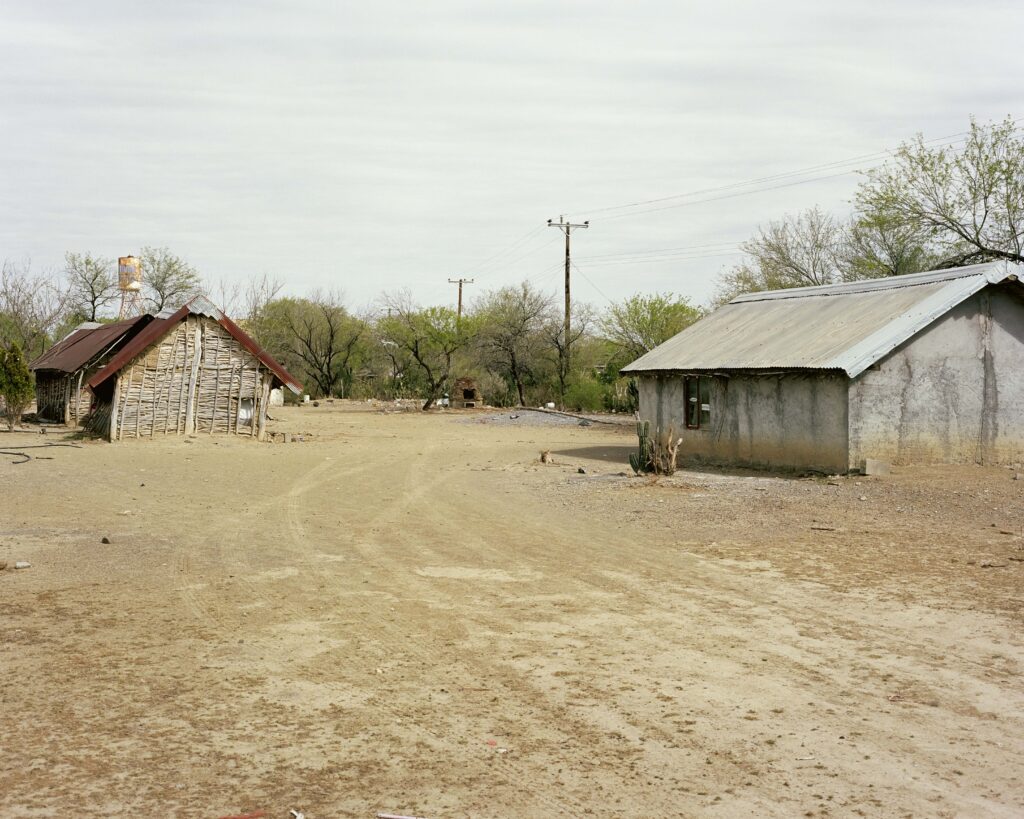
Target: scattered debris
581,471
545,457
988,564
298,814
3,565
396,816
22,564
825,528
863,497
25,457
254,815
105,540
586,423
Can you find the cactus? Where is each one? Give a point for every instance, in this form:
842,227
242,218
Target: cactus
657,454
641,462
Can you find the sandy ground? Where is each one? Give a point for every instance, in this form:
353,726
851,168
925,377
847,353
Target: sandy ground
410,614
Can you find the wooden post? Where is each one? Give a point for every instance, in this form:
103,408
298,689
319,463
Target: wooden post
113,407
181,339
264,402
190,415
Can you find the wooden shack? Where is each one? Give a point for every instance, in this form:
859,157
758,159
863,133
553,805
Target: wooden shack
465,393
190,371
62,371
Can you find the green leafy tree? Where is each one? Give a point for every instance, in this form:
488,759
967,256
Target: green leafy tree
969,199
510,340
431,336
879,245
641,323
168,281
15,384
92,284
316,336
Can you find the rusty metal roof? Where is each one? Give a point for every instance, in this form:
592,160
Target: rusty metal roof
87,342
845,327
165,321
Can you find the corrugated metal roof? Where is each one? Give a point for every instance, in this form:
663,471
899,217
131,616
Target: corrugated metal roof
162,324
844,327
87,341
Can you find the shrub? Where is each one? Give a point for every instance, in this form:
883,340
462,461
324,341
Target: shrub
15,384
586,395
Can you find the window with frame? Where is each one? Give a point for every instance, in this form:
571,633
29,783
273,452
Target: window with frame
697,396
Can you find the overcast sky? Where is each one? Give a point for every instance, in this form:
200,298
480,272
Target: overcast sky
373,146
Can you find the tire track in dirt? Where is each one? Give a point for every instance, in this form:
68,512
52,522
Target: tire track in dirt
835,672
300,543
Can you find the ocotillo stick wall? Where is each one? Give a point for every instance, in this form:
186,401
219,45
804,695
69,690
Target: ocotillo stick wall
191,372
194,380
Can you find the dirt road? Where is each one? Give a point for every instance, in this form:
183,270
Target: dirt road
410,614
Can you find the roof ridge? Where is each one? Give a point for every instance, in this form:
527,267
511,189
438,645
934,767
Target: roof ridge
883,283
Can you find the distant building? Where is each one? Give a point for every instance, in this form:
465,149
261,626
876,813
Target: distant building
924,368
62,395
188,371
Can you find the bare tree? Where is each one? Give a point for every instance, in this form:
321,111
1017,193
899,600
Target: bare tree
32,306
92,282
226,295
797,251
554,333
259,292
326,338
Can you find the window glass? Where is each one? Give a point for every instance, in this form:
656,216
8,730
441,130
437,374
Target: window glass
704,393
697,395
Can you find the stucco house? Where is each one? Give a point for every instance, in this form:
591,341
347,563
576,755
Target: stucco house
924,368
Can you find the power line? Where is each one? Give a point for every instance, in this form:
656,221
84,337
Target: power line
663,259
951,138
598,289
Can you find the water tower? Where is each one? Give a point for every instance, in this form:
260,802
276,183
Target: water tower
129,281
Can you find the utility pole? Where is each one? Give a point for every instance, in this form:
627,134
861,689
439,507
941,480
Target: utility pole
460,282
567,228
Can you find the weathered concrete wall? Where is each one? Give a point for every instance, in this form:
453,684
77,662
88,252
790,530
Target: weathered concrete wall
778,421
952,394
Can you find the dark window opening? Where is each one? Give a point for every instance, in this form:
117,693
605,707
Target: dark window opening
469,395
697,395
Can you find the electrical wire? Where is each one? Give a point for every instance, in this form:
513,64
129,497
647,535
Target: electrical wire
950,139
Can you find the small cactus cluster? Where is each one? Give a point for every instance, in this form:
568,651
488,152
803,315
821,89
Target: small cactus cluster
641,461
657,453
